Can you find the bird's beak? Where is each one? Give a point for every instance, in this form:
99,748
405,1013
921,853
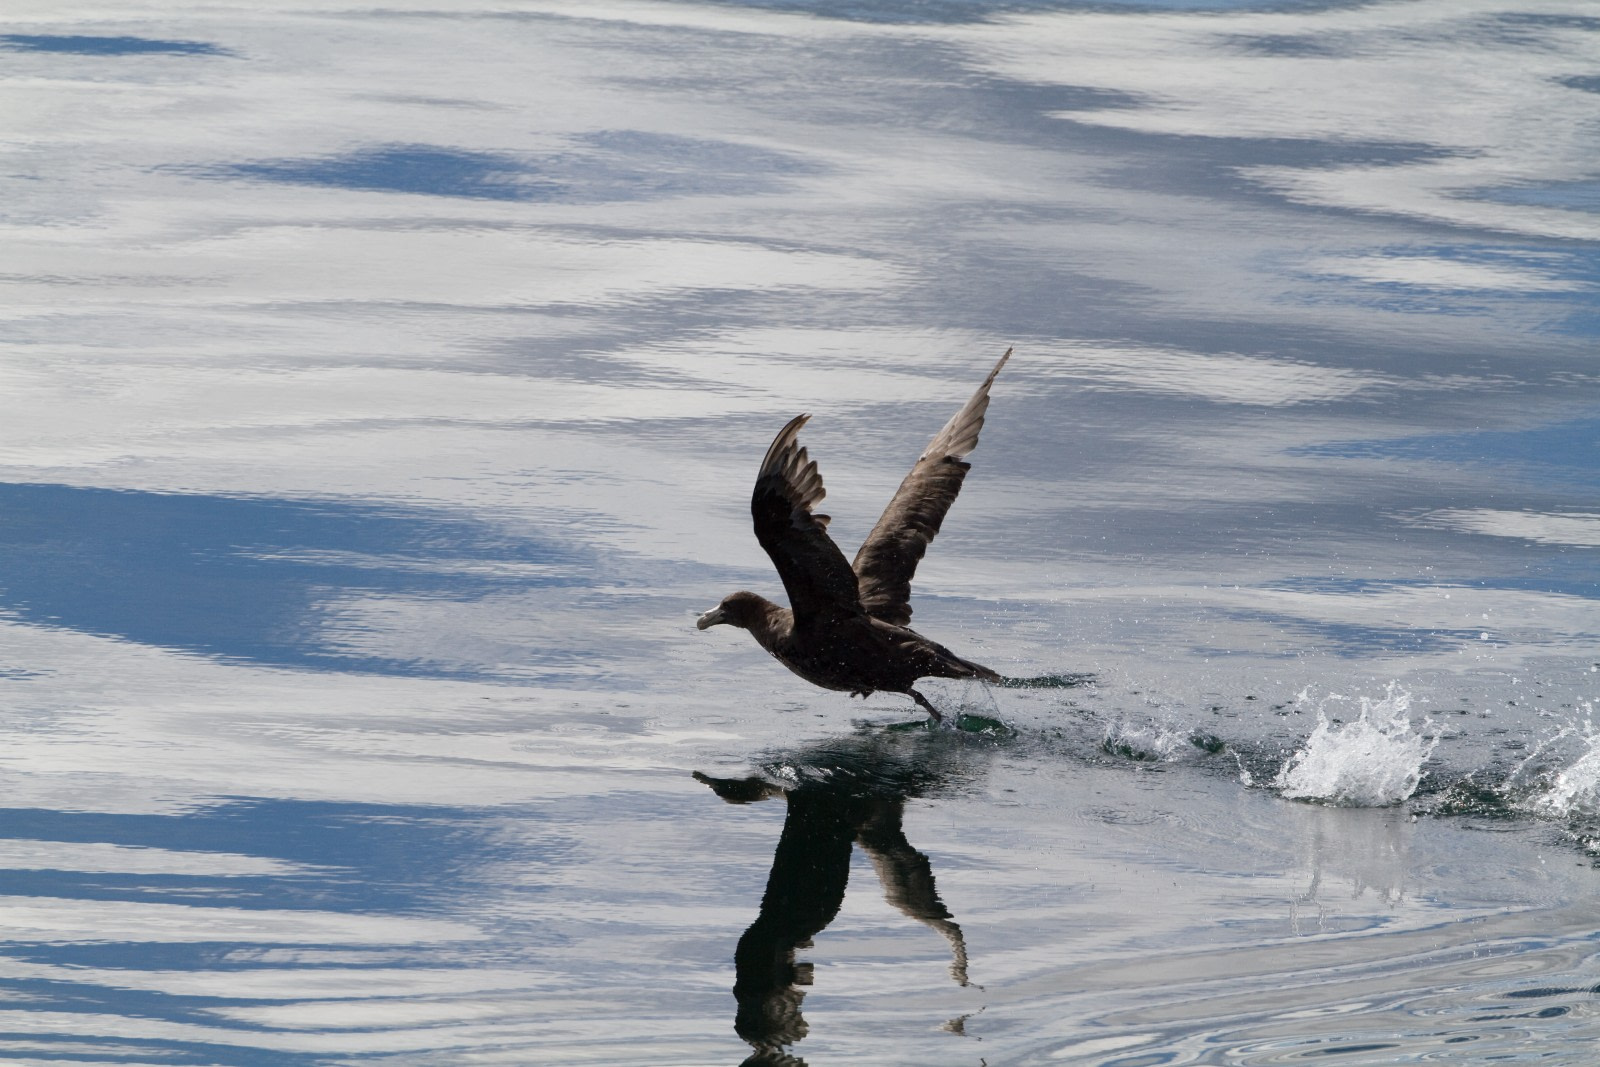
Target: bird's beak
710,618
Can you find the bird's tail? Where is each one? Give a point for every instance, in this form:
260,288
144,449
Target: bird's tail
965,668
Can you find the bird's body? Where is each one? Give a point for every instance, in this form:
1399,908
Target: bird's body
845,628
853,653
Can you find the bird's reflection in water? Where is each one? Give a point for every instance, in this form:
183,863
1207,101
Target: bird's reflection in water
840,794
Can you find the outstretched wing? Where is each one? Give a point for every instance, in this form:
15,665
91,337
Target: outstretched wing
889,556
818,580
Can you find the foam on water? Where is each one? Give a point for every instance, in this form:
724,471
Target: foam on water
1372,761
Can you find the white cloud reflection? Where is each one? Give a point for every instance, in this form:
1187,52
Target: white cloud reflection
103,857
464,267
59,920
1531,275
1581,529
1224,378
1481,107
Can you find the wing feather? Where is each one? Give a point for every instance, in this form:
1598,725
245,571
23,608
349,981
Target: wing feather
815,573
889,556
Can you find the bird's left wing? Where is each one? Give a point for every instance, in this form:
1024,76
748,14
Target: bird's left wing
889,556
815,573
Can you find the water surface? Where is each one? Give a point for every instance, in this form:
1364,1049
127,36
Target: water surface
382,392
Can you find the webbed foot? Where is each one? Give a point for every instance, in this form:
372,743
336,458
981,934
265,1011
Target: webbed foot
922,701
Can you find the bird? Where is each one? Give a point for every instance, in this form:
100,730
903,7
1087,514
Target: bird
846,626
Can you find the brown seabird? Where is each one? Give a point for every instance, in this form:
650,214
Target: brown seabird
845,627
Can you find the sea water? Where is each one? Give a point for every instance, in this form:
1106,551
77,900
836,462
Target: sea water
380,393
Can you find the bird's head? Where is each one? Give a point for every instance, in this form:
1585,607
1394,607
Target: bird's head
736,609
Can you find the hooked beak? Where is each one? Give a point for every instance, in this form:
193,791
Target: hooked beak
710,618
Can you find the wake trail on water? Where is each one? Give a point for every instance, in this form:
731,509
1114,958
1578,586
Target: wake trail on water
1383,755
1376,757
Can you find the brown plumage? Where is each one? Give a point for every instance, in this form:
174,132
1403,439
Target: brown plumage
845,627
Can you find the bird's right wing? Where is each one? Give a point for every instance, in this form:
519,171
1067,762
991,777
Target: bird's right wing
815,574
889,556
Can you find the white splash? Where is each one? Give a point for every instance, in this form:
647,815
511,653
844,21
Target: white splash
1147,743
1371,762
1575,790
1246,779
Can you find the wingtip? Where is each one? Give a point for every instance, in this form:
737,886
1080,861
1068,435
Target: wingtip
782,440
992,374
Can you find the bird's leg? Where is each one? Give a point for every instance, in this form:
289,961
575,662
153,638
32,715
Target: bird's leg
923,701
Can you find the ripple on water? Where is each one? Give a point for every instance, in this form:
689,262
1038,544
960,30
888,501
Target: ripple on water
1436,1006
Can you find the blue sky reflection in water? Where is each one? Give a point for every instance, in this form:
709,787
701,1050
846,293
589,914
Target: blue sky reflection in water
382,390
